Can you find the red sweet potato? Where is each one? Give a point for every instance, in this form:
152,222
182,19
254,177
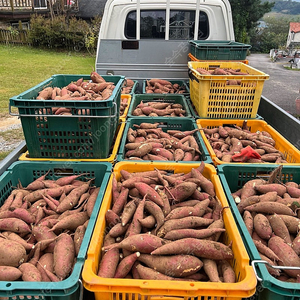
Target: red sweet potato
11,253
173,265
286,254
109,263
187,222
8,273
63,255
200,248
30,272
262,226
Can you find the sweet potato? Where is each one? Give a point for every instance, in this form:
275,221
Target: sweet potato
135,226
11,253
200,248
8,273
272,271
296,244
143,243
149,273
126,264
118,230
248,220
187,222
78,237
249,187
211,269
145,189
173,265
30,272
120,201
227,272
45,262
63,255
292,223
206,184
273,187
286,254
183,191
192,233
247,202
128,212
15,225
91,201
270,208
111,218
72,198
109,263
279,228
157,212
71,222
265,250
262,226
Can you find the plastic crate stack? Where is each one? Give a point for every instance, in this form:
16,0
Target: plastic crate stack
108,162
79,146
112,288
215,105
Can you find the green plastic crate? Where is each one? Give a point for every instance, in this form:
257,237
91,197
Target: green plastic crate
232,179
168,98
70,288
69,137
68,134
166,124
180,82
218,50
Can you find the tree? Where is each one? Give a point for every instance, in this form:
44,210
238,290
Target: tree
273,36
245,16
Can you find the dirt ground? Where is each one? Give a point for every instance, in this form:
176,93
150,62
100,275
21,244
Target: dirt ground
6,124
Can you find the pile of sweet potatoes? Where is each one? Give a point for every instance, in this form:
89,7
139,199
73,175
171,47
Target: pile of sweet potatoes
159,109
161,86
149,142
270,210
124,104
239,144
93,90
224,72
42,227
165,226
127,86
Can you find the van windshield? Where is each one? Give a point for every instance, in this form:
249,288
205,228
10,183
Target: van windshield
153,22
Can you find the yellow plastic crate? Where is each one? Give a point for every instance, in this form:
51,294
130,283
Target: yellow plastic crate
213,98
133,289
111,159
124,96
291,153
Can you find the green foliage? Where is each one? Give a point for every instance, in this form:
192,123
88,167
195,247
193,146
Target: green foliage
273,36
61,32
245,15
286,7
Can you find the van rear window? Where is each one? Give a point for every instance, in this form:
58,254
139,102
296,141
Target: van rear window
153,23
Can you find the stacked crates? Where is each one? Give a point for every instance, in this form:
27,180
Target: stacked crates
86,132
217,104
107,140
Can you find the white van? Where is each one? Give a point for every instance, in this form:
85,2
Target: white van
150,37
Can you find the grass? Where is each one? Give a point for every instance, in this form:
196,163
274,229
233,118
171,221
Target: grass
23,67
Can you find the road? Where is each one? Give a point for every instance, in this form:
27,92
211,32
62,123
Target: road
283,86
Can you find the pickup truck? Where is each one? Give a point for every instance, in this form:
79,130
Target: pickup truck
142,39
